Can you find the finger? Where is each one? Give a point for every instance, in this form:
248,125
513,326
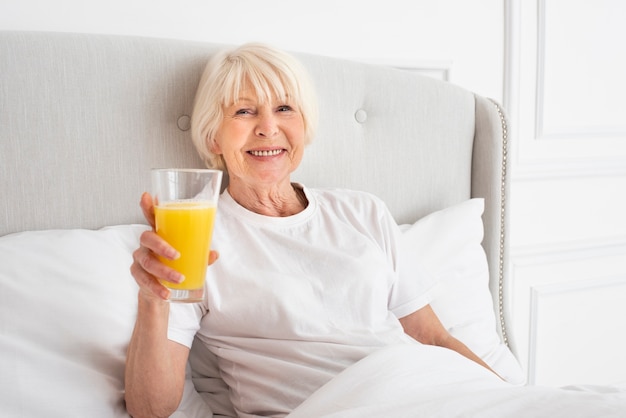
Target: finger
147,207
213,256
147,258
156,244
148,284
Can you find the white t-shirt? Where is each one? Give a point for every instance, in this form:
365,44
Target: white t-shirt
292,301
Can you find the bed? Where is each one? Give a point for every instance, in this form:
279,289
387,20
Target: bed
84,117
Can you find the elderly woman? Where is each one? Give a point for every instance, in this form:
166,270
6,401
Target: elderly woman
308,280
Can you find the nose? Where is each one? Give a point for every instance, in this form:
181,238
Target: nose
267,126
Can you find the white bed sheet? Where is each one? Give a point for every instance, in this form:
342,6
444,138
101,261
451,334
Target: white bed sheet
426,381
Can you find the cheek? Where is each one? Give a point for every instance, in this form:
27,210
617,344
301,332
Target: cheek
296,155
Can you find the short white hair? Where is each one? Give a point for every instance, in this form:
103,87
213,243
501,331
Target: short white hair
271,72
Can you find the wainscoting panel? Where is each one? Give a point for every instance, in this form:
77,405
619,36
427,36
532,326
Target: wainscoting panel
566,84
576,333
580,98
569,310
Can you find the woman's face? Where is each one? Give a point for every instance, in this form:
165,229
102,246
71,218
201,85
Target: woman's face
261,143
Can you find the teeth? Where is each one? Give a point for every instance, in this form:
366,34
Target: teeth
266,153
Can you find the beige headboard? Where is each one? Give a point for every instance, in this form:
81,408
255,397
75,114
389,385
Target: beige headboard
84,117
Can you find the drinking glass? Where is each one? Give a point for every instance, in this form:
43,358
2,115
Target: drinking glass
185,203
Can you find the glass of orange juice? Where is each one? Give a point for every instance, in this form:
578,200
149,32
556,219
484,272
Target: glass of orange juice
185,203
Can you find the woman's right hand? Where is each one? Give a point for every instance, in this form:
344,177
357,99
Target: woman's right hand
147,269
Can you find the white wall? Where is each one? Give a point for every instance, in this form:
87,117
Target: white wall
414,33
566,90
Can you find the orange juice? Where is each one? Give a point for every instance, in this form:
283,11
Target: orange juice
188,227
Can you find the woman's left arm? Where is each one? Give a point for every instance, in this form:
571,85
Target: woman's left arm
424,326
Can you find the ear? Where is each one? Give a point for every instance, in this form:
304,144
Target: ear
214,146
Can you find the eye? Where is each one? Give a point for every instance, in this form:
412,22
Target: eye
243,111
284,108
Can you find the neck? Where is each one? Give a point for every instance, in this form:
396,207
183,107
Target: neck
275,200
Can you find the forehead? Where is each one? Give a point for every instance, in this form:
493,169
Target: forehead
261,87
260,92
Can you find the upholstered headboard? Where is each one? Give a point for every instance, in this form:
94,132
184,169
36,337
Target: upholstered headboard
84,117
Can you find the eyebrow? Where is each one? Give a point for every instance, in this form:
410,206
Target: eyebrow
247,99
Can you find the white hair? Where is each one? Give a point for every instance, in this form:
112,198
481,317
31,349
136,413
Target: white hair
271,72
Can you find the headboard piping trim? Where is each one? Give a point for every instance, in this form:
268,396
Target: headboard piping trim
503,177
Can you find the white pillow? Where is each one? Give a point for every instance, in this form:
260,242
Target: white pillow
67,309
447,246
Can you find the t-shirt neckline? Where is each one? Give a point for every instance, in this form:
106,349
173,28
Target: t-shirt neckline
228,204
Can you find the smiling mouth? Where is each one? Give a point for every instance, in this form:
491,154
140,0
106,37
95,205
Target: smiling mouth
266,153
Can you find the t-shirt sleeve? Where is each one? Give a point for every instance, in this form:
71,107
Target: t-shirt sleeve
409,293
184,322
411,288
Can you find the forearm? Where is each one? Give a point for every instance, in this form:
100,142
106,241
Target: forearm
154,376
425,327
452,343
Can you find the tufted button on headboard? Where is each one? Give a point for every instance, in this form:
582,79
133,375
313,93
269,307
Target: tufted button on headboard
360,116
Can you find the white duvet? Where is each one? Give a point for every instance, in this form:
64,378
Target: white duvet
426,381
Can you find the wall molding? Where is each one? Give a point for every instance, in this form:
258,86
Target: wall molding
510,83
540,80
540,292
539,254
586,132
524,272
573,151
554,168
